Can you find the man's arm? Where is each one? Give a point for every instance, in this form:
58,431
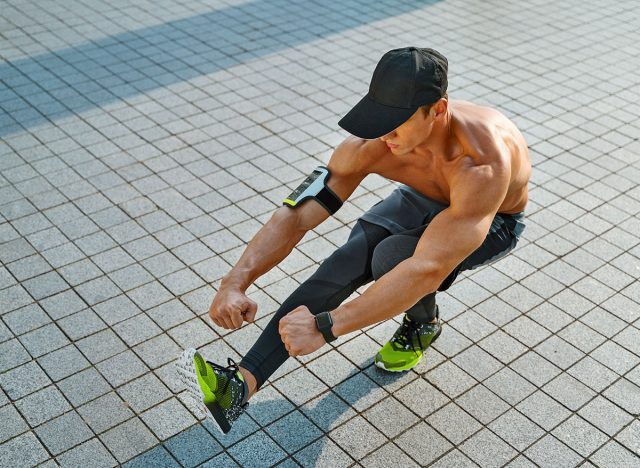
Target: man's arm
450,238
277,238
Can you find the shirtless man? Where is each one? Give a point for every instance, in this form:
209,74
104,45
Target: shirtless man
464,170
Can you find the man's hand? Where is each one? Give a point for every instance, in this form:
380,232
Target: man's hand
299,332
230,307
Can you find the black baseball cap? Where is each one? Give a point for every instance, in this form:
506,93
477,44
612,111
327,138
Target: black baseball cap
403,80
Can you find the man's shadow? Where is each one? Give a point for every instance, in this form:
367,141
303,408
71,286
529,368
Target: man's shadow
275,428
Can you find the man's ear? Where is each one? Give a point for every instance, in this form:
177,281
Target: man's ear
440,107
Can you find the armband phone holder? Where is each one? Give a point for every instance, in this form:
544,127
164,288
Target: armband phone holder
315,186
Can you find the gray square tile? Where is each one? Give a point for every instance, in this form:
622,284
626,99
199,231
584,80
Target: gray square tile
100,346
423,444
157,351
630,437
128,439
98,290
580,435
516,429
526,331
23,380
43,340
293,431
136,329
42,406
64,432
625,394
168,418
12,423
327,411
79,272
509,386
63,304
91,453
130,277
81,324
390,416
615,357
549,451
194,333
301,386
582,337
488,450
450,379
63,362
569,391
12,354
105,412
478,363
614,455
170,314
26,319
122,368
144,392
413,397
605,415
453,423
502,346
84,386
45,285
358,438
482,404
257,445
332,368
25,450
592,373
116,309
149,295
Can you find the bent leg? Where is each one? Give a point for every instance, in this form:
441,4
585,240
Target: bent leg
387,255
348,268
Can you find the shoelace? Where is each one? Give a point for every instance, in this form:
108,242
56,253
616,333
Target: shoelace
231,368
405,333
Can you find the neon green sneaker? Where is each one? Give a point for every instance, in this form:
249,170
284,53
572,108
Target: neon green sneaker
404,351
220,391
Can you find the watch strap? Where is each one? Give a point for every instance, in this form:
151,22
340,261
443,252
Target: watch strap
324,322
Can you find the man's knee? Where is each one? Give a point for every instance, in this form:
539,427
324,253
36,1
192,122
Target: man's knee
390,252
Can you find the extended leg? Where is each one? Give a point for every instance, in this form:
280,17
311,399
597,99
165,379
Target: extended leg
337,278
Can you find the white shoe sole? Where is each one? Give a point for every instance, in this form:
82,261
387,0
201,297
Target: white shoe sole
380,364
188,376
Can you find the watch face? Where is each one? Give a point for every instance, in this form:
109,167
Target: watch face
323,320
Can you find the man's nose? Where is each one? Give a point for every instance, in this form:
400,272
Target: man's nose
387,136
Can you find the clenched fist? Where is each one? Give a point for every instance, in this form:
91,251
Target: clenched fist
299,332
230,307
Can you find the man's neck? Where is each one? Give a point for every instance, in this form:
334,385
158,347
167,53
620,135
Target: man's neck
442,143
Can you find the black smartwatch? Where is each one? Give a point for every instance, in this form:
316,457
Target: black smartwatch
324,322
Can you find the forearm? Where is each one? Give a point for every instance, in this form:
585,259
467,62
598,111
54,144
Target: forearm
271,244
392,294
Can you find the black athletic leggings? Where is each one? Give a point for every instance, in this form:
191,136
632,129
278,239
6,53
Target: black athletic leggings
370,252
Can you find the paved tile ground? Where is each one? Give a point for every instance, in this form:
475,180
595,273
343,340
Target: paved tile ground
144,143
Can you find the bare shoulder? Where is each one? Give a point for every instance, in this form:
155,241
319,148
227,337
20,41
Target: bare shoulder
357,156
486,131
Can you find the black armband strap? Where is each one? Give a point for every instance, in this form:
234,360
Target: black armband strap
315,186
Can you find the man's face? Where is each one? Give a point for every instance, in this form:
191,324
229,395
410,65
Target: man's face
412,133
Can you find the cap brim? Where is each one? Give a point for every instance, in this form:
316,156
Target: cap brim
369,119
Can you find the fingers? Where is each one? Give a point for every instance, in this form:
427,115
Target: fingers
251,308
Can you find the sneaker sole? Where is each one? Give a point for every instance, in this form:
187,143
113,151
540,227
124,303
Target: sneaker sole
381,365
187,372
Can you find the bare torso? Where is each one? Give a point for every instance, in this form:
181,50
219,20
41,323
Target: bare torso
478,130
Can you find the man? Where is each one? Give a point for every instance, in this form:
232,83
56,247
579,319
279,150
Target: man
465,170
